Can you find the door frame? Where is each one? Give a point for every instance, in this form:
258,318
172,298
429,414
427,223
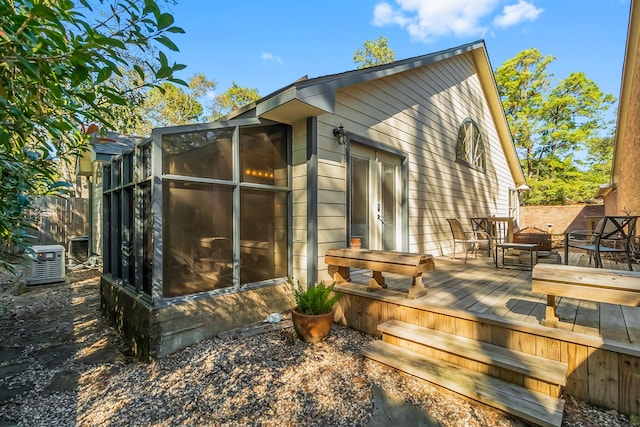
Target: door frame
404,176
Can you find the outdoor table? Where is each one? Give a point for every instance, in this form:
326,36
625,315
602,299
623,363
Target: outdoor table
531,247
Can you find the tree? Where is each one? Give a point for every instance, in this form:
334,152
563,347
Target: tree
600,150
233,98
166,105
55,62
374,53
550,122
522,81
572,115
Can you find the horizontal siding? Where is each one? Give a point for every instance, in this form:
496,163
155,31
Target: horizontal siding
331,201
299,221
299,202
419,113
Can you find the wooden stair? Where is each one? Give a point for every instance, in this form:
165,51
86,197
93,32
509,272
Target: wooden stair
435,364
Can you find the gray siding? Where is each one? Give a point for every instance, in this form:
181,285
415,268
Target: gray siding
419,113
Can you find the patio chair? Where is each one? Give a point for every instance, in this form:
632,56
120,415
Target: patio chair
481,224
470,239
612,236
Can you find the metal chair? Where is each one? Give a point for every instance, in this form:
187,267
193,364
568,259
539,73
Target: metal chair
473,238
613,236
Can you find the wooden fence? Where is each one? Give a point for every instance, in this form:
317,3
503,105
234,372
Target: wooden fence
59,219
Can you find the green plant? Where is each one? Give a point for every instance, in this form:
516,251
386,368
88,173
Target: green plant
316,299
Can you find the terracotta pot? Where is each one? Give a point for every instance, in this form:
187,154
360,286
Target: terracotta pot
356,243
312,327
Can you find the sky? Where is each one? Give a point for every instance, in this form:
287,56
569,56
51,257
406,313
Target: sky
267,45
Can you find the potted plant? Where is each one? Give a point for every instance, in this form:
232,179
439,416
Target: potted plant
314,311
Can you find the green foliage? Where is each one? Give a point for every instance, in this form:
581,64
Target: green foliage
171,105
601,150
56,59
551,121
544,119
166,104
374,53
569,185
572,114
316,299
233,98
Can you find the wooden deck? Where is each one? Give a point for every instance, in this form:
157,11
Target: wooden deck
600,342
481,288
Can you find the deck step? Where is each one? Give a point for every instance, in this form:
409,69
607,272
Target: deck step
531,406
539,368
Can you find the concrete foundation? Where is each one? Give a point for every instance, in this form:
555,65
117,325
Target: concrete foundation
155,332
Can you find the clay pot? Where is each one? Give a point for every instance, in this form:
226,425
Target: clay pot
312,327
356,243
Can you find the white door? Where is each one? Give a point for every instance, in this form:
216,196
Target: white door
376,189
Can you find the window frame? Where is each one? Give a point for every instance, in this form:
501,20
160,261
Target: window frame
236,182
477,145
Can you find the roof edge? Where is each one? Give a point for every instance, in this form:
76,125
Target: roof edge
628,76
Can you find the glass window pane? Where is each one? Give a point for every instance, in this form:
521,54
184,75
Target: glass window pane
106,177
263,235
198,233
116,234
106,234
470,145
127,168
263,155
128,254
115,170
203,154
147,237
389,207
360,199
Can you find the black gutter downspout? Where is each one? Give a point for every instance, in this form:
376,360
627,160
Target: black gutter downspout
312,201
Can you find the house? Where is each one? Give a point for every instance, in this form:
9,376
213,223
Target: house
622,193
102,149
204,227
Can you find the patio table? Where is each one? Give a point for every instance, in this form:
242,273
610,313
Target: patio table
531,247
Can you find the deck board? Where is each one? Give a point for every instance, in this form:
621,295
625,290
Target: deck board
612,322
479,287
632,321
599,342
492,298
587,319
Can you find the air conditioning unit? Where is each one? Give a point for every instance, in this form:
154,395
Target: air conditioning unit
78,250
46,264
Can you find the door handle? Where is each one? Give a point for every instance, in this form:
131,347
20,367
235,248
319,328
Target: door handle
379,214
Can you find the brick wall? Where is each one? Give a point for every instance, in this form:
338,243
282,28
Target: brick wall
561,218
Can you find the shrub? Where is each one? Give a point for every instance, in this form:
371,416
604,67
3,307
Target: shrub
316,299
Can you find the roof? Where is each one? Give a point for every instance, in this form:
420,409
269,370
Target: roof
109,144
313,97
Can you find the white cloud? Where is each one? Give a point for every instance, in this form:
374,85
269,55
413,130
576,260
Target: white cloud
426,20
516,13
271,57
383,14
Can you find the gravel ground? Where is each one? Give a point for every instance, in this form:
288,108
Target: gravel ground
61,365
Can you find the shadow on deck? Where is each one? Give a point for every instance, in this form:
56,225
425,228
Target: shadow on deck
599,342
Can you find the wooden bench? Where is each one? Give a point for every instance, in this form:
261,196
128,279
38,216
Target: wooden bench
593,284
341,260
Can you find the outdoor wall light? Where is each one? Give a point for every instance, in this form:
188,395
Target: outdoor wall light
340,134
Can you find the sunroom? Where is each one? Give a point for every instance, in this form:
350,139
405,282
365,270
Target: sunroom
194,217
206,222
